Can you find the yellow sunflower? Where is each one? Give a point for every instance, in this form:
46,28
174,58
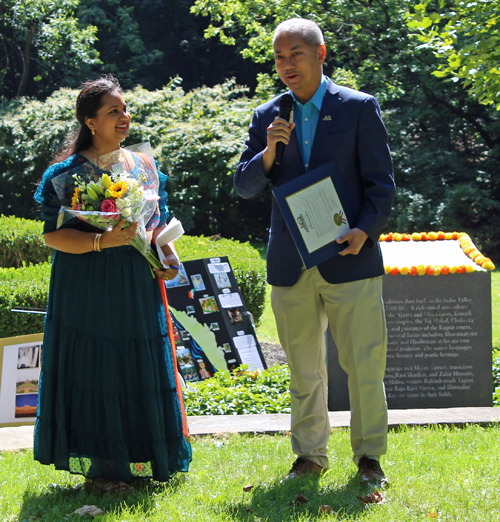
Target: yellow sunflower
118,189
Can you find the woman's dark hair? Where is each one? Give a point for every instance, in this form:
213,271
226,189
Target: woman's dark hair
89,101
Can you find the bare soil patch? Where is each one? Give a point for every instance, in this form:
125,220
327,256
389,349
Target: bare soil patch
273,354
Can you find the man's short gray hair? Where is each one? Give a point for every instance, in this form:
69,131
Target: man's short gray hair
307,30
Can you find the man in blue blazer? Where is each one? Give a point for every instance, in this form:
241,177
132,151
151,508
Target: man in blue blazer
330,123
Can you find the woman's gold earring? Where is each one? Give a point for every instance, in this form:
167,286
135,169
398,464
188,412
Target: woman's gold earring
92,131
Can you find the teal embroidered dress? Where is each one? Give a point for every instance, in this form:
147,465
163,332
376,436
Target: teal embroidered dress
108,404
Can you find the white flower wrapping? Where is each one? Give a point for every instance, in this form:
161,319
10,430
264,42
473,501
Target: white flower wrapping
123,186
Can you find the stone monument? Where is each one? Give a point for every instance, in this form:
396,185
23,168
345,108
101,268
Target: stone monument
439,342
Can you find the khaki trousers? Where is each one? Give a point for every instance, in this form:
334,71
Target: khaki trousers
355,312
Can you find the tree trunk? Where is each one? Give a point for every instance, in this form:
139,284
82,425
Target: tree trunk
27,60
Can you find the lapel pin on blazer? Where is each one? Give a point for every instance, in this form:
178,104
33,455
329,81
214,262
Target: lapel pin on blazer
327,118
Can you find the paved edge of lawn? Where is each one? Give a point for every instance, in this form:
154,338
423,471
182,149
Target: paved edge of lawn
21,437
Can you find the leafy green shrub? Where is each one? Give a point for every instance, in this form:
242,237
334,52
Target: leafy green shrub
249,269
197,137
30,133
27,287
240,393
21,242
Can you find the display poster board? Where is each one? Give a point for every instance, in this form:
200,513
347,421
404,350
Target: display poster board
439,344
20,359
213,328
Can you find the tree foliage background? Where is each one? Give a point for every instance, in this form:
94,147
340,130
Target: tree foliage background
465,36
443,126
48,44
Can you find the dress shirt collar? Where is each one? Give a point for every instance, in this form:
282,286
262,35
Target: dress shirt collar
317,99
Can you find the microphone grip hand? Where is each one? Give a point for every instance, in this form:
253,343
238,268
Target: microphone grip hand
278,135
280,150
285,111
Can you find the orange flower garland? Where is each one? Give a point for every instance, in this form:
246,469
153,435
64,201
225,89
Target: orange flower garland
463,239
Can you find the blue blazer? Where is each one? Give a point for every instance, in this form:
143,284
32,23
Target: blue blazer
350,132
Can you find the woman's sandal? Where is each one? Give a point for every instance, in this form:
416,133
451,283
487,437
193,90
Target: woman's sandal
112,487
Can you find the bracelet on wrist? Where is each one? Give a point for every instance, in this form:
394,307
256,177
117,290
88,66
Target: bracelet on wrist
97,243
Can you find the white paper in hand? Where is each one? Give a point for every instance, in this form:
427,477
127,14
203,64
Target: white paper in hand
171,232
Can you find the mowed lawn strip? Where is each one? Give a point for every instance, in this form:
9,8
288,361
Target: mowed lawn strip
436,473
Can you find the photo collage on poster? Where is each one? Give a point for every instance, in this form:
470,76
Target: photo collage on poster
191,361
207,291
27,389
19,383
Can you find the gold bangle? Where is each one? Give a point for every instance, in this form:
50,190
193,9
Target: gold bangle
96,245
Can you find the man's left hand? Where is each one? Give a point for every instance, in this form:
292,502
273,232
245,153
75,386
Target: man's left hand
355,238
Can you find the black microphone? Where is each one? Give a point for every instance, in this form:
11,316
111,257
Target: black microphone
286,106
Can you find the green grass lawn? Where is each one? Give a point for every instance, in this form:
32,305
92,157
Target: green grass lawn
435,474
266,331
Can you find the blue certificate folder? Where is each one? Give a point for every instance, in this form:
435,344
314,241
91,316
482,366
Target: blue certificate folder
328,170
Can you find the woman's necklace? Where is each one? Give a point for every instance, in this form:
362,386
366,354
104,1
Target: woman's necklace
112,158
97,157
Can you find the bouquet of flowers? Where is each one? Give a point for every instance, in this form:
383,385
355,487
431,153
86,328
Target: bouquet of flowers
123,186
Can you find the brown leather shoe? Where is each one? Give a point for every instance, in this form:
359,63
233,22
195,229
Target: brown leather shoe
303,465
370,471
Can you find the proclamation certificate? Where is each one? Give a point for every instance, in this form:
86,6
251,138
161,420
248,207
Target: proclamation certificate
311,205
318,213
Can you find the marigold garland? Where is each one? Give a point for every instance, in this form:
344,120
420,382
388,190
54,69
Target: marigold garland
463,239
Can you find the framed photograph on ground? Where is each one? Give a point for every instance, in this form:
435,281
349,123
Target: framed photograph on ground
20,359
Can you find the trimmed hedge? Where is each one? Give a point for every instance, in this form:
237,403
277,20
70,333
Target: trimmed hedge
28,285
21,242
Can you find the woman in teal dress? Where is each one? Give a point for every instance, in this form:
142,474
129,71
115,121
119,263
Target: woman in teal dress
109,408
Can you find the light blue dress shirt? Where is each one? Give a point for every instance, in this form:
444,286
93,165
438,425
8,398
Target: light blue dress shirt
306,117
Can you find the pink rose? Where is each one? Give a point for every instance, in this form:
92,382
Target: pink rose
78,206
109,206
